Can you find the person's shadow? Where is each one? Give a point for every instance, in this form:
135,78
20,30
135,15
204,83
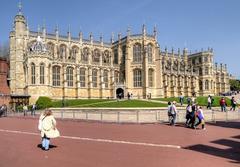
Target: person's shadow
50,146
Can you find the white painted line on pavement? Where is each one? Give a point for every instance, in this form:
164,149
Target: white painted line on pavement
98,140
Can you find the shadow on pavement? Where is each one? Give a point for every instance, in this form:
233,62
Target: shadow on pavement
232,151
230,124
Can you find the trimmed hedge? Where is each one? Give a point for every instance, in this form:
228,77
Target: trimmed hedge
43,102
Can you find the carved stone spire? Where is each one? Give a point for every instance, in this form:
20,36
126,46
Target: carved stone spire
112,38
20,8
80,36
128,31
143,29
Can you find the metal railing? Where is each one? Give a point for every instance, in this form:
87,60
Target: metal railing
132,115
138,116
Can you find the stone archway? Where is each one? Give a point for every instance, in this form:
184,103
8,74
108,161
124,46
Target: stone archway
120,93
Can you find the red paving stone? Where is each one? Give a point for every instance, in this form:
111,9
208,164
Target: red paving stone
216,146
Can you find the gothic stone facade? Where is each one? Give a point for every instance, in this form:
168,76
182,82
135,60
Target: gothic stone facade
56,66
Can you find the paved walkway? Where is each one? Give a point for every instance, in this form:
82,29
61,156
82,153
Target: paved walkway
119,145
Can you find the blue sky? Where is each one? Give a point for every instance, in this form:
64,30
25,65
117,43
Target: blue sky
194,24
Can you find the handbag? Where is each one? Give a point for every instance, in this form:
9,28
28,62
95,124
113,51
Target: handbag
53,133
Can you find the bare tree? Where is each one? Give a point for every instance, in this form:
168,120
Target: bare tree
4,50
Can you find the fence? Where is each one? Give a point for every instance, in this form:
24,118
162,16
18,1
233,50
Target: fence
133,115
138,116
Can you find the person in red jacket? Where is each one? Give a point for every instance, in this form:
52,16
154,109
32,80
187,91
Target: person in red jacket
223,104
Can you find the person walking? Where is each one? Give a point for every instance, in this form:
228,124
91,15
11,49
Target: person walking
172,112
200,117
209,105
33,109
25,110
223,104
188,115
47,126
181,98
233,104
193,116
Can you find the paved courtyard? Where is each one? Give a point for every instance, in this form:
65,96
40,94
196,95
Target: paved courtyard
92,144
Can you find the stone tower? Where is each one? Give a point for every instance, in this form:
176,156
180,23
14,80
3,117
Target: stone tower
17,48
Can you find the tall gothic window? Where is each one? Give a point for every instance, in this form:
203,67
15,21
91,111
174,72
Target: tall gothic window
200,71
106,57
149,53
116,77
206,59
150,77
74,53
206,71
70,76
137,78
206,85
94,78
56,75
42,73
85,54
96,56
62,51
105,78
50,48
200,85
82,77
137,57
115,59
33,73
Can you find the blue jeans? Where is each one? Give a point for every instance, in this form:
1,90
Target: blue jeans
223,108
45,143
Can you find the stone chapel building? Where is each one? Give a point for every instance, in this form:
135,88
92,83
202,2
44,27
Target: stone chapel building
65,67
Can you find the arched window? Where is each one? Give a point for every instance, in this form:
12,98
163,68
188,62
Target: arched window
62,51
33,74
56,75
150,77
105,78
50,48
42,73
106,57
206,85
74,53
85,54
96,56
94,78
82,77
149,53
137,57
69,76
137,78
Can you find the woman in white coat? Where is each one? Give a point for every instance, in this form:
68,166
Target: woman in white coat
47,126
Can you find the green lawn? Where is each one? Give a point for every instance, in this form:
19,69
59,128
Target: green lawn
106,103
201,100
127,104
77,102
